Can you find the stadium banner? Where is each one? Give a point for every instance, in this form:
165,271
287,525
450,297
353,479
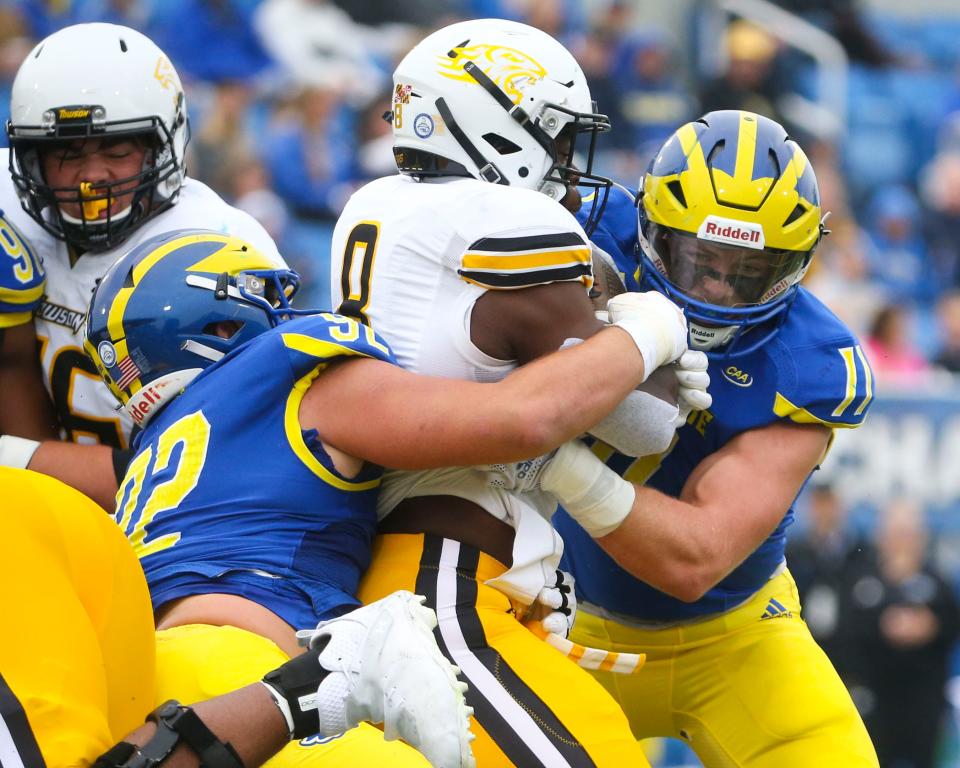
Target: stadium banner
908,447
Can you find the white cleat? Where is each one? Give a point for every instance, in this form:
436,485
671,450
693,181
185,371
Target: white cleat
387,668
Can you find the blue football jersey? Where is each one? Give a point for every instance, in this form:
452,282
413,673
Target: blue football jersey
616,232
21,276
813,371
226,493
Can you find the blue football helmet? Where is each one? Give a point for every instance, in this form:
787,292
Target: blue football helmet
729,218
153,321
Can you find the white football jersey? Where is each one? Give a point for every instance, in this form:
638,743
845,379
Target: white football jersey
87,410
411,258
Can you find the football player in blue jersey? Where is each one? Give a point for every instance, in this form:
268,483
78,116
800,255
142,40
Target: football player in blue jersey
251,496
685,562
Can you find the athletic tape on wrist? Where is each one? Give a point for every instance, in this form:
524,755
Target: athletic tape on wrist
646,345
16,452
592,493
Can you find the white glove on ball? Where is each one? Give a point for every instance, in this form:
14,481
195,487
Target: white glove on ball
692,395
657,325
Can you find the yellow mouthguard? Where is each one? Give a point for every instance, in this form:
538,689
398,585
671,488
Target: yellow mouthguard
92,208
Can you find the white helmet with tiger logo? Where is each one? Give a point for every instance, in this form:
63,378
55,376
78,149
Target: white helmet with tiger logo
97,81
499,101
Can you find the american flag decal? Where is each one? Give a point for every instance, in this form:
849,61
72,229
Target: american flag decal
128,372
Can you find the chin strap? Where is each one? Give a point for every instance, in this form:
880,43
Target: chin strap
175,723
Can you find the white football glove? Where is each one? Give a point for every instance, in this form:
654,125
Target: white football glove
556,605
657,325
692,395
520,476
384,666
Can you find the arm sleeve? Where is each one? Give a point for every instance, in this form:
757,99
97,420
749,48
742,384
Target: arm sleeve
642,425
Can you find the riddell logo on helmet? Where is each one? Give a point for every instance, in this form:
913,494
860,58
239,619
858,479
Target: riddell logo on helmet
723,230
148,400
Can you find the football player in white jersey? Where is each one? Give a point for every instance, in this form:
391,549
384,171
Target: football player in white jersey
97,132
469,263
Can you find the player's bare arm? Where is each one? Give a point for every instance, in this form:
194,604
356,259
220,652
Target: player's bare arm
524,324
29,429
248,719
25,409
731,503
436,422
91,469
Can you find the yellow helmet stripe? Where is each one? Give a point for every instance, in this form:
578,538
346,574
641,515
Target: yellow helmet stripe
119,305
746,151
225,259
696,162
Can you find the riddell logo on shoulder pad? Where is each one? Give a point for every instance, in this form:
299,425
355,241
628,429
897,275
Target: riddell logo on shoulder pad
723,230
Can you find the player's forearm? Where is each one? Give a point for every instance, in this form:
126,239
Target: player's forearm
88,468
681,547
25,409
409,421
247,718
26,412
558,397
678,548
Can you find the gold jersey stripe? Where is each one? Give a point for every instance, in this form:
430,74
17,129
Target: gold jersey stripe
783,408
867,381
518,261
847,354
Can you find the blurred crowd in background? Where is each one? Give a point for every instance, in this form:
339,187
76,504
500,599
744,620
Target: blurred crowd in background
286,99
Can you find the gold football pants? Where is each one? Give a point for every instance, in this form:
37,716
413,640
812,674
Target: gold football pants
532,705
76,629
747,689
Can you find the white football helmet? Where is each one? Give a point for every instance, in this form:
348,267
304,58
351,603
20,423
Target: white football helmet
489,99
97,80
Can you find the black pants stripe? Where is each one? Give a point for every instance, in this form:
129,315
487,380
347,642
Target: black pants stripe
13,720
529,736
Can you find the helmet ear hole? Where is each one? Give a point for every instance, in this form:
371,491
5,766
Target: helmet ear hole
795,214
500,143
676,189
225,329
